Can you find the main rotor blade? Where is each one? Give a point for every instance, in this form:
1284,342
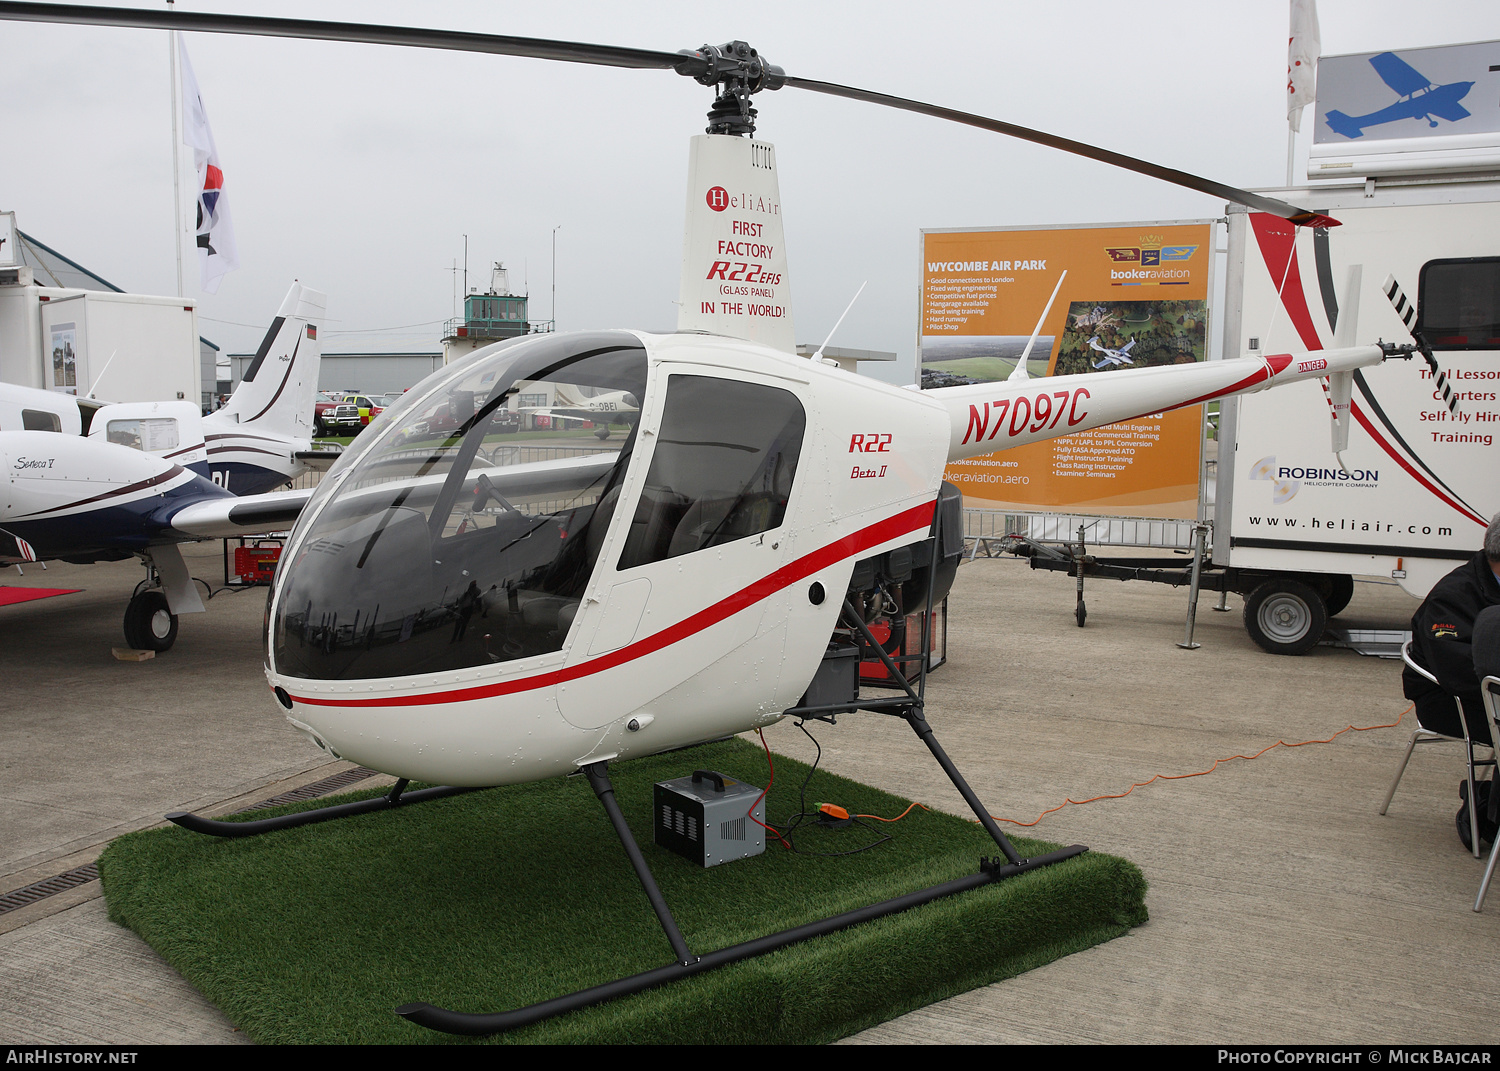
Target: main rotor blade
409,36
1300,216
686,62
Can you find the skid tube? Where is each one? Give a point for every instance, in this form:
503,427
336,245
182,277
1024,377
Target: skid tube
396,797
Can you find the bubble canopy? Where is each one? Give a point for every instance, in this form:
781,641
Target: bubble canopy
465,533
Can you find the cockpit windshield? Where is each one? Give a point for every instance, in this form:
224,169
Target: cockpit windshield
466,533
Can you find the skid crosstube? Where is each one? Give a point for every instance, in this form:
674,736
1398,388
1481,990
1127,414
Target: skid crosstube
397,797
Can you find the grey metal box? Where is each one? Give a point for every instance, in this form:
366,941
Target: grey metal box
705,818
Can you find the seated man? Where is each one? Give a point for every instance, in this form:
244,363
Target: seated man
1442,636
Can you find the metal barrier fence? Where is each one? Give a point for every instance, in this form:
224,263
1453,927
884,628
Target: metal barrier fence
987,524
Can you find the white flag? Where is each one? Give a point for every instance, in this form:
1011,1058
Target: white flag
217,255
1302,60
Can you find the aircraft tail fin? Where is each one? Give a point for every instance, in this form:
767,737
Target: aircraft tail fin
1344,124
278,392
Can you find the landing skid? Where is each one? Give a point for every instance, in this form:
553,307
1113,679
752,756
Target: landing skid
687,963
908,707
396,797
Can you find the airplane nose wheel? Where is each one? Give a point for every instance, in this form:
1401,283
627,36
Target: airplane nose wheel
149,624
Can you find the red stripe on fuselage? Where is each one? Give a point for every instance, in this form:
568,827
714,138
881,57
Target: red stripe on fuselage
1260,375
915,519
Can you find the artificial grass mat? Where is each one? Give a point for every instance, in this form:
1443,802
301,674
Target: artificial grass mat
498,899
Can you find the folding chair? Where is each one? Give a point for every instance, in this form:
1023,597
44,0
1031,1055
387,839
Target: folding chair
1487,669
1428,736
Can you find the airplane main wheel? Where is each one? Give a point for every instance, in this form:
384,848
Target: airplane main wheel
149,624
1285,616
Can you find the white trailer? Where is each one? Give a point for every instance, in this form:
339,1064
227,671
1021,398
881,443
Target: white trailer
120,347
1411,495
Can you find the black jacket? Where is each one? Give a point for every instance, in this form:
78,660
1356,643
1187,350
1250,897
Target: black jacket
1442,636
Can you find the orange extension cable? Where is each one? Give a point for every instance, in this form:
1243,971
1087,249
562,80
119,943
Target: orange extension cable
772,780
1203,773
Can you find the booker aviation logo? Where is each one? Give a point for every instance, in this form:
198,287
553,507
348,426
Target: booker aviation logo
1286,480
1160,264
718,198
1144,254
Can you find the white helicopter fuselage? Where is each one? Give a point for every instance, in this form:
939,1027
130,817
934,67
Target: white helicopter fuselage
686,649
693,647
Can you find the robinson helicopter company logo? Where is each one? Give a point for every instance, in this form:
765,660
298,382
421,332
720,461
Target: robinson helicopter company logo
1286,481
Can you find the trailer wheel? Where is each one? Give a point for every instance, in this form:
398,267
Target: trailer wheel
1285,616
149,624
1341,592
1081,612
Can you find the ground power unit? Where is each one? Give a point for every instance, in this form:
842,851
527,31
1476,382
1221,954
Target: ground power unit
708,818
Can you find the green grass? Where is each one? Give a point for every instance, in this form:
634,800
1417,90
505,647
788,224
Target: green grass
498,899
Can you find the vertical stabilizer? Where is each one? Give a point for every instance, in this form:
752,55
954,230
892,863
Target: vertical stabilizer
277,394
1341,384
734,277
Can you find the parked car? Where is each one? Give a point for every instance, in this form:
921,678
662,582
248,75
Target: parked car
332,415
369,408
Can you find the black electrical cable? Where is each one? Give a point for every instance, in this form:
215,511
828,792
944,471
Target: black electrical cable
792,823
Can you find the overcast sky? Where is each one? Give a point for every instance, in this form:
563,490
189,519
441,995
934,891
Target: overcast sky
359,169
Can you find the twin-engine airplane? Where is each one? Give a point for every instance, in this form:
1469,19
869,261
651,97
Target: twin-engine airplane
1112,358
113,492
469,614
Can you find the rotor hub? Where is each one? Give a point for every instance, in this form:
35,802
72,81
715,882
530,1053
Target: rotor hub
739,72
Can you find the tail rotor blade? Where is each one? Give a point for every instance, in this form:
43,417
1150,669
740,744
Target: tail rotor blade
1408,313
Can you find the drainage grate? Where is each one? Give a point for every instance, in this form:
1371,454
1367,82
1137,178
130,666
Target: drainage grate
49,887
83,875
314,790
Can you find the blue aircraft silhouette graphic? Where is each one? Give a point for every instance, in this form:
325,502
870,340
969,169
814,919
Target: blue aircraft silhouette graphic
1420,99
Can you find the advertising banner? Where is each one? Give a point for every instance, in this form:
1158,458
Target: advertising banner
734,278
1134,296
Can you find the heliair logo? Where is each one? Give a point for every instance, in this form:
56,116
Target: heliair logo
1287,480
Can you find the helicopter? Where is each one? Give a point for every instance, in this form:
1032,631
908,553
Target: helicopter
468,617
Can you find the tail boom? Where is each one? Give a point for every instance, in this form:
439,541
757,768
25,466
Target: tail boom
986,417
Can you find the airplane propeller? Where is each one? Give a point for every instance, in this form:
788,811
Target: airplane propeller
736,67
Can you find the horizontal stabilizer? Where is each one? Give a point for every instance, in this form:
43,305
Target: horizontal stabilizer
1343,124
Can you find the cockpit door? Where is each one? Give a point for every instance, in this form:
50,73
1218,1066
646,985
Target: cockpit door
699,528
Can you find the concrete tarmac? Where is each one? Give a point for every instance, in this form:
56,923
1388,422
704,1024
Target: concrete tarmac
1283,907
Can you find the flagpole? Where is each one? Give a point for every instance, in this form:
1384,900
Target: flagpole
176,165
1291,148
